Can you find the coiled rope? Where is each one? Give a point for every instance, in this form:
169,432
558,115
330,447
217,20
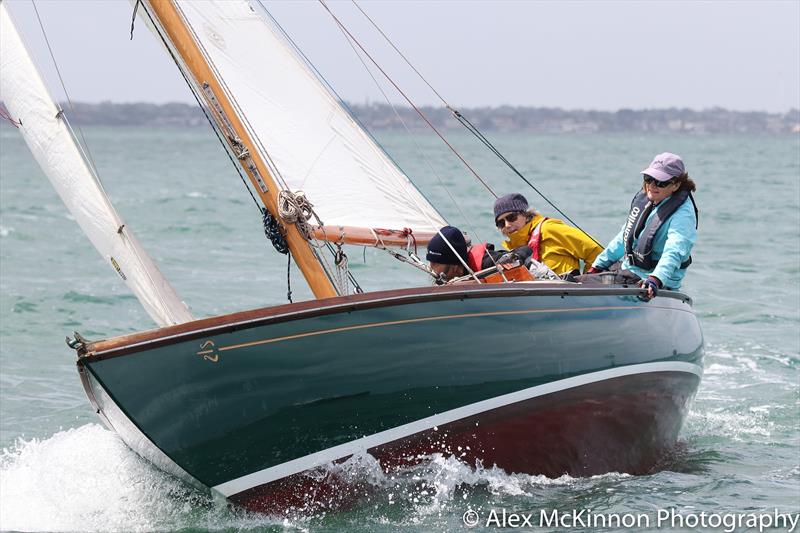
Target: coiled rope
295,208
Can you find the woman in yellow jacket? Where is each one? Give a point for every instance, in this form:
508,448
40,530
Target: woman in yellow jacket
548,240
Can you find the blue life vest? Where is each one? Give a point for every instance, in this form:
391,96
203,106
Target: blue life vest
641,255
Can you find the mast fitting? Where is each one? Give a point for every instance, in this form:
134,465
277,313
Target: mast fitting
239,149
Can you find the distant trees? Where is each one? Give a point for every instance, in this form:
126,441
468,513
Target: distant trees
498,119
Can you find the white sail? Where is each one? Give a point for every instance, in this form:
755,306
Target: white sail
26,98
303,131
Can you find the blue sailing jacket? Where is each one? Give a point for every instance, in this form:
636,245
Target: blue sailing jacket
672,245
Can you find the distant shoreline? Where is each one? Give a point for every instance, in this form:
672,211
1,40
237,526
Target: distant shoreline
495,119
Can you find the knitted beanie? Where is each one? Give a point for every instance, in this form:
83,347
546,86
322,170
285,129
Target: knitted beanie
510,203
440,252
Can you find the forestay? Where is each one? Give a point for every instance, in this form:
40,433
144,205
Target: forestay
51,142
310,140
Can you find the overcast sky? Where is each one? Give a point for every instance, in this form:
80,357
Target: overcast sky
603,55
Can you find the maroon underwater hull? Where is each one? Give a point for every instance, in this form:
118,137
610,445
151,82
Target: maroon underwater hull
625,424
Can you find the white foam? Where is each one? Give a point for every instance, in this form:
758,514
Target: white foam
86,479
717,369
439,479
730,424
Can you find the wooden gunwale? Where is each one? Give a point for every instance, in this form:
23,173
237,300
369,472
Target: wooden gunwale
135,342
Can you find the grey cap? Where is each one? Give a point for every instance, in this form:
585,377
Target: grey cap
665,167
510,203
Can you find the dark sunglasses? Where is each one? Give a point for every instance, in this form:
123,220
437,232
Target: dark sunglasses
510,218
659,184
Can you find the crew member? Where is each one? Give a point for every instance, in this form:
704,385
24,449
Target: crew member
448,254
655,243
546,240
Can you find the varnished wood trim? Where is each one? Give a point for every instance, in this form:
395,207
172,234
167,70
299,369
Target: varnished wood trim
371,236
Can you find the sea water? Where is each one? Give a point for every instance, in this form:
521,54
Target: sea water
60,469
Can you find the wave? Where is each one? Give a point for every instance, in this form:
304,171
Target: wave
86,479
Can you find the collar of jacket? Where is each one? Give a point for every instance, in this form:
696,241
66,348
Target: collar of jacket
522,235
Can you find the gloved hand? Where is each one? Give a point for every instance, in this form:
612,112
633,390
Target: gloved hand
509,257
651,284
595,270
521,254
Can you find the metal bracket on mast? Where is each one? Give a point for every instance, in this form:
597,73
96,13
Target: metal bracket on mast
240,150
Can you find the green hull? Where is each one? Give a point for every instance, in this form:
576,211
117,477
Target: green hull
285,389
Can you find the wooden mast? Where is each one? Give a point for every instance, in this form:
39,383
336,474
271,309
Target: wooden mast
172,23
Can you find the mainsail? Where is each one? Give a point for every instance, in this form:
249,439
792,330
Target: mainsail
308,139
290,134
52,144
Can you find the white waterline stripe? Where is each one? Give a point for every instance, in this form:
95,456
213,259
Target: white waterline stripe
322,457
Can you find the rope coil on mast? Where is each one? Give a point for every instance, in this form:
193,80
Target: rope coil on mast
295,208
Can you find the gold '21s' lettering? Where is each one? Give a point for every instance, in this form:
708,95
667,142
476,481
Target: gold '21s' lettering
208,351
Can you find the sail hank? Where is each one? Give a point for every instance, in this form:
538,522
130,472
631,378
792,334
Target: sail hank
54,148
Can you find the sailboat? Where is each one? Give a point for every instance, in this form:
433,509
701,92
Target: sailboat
255,405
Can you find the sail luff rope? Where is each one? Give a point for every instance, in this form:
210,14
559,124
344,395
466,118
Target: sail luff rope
410,102
471,127
85,151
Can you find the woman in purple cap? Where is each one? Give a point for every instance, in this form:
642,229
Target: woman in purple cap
655,242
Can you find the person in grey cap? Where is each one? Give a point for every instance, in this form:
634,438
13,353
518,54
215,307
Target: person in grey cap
655,243
546,240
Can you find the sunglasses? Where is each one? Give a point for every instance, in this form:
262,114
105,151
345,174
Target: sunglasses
660,184
510,218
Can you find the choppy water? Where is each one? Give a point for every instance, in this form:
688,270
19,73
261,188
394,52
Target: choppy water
61,470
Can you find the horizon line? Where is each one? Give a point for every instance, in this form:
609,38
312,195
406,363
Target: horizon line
482,106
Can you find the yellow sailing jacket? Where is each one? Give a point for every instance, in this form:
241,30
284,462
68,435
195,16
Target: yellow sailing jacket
562,246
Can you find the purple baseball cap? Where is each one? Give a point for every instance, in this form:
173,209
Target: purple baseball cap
665,167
